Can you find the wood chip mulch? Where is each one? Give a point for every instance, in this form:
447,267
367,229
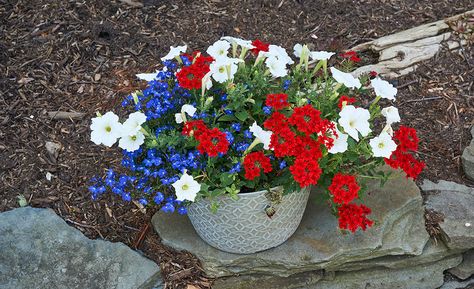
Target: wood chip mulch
61,61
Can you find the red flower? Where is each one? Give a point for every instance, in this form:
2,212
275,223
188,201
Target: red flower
259,46
306,171
352,216
347,99
254,163
307,119
283,142
326,133
308,147
194,128
276,122
213,142
407,138
344,188
277,100
352,56
190,77
407,162
373,74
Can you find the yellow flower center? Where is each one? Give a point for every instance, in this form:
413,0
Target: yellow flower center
108,129
185,187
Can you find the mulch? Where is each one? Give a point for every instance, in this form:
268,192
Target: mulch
81,56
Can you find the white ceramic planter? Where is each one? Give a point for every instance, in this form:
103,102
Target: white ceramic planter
243,226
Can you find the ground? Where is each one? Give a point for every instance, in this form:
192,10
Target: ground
82,56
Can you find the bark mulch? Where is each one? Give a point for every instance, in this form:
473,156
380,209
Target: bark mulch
81,56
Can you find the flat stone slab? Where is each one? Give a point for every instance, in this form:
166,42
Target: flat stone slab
318,243
39,250
466,268
456,203
468,158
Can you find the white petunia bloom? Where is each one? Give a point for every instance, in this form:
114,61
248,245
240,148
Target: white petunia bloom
132,142
277,67
186,188
391,114
383,145
354,121
383,88
340,143
174,52
280,53
224,69
219,49
345,78
297,50
321,55
106,129
241,42
187,108
147,76
133,123
207,81
262,135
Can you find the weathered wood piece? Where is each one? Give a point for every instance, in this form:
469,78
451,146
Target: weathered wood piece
400,53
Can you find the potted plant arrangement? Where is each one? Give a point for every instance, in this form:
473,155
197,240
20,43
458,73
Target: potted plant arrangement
237,135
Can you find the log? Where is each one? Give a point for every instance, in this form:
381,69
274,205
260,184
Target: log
400,53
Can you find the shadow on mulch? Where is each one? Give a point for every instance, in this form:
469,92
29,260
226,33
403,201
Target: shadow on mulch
82,56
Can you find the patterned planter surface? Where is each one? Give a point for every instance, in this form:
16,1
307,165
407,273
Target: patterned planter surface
243,226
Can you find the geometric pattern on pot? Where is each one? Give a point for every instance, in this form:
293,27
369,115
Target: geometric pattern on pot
242,226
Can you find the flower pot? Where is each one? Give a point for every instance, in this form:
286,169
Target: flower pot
243,226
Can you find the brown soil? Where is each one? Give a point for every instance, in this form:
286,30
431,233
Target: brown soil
82,56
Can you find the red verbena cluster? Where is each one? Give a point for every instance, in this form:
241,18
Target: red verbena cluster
306,171
277,100
259,46
352,56
344,188
347,99
211,141
407,141
254,163
190,77
352,216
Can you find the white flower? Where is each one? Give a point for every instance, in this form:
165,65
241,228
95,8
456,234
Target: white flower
262,135
132,142
186,188
391,114
280,53
340,143
133,123
345,78
187,108
207,81
241,42
297,50
383,145
321,55
224,69
277,67
354,121
383,88
219,49
106,129
147,76
174,52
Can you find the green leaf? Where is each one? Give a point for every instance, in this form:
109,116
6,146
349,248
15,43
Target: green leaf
242,115
22,202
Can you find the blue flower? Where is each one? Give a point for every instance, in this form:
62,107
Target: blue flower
236,168
282,165
158,198
182,211
248,134
143,201
267,110
236,126
286,84
168,208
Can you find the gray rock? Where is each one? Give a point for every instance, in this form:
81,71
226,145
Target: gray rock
39,250
317,244
453,284
466,268
468,158
428,276
456,203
